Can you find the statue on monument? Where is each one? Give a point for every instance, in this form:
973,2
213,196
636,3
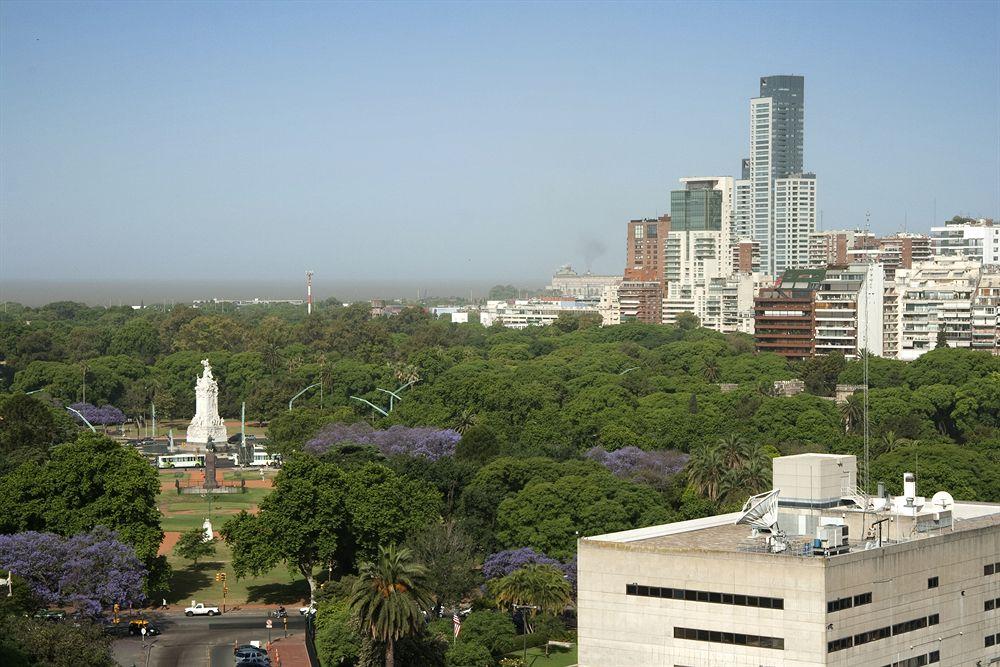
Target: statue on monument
206,423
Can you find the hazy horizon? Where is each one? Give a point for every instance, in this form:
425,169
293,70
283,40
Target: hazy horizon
151,292
418,144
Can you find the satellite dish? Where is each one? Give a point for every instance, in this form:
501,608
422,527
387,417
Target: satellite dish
943,500
760,512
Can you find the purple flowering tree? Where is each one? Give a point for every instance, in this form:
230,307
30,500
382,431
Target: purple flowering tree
502,563
103,416
430,443
654,468
87,571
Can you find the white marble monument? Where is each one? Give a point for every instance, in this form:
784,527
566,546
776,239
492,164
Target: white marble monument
206,423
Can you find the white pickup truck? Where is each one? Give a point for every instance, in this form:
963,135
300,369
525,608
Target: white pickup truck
201,610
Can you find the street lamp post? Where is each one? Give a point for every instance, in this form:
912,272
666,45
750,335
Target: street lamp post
524,630
318,384
83,418
369,403
392,395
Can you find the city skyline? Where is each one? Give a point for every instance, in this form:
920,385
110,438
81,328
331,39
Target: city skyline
177,164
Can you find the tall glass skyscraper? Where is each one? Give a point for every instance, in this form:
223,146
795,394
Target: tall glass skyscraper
783,198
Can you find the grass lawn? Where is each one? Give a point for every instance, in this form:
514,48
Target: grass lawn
185,511
197,582
558,657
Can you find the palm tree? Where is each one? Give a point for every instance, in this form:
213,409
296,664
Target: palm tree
734,451
852,412
756,473
711,370
542,587
389,597
465,420
706,471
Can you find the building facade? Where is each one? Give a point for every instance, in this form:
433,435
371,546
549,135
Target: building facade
783,196
785,314
986,313
640,301
582,287
644,248
935,297
849,310
523,313
818,576
977,240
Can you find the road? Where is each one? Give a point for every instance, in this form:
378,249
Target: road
200,641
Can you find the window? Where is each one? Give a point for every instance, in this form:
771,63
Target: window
705,596
989,569
775,643
638,229
932,582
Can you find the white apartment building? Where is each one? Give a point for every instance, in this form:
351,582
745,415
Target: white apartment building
609,306
935,296
743,222
523,313
890,320
978,240
849,310
723,304
813,574
986,313
794,220
581,287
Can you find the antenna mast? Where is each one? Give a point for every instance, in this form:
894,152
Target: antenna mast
309,292
865,354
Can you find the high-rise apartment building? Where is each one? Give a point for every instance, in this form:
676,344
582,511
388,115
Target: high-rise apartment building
644,250
783,197
935,297
901,250
640,301
850,310
986,313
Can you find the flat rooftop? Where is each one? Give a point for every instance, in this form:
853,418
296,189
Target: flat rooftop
721,534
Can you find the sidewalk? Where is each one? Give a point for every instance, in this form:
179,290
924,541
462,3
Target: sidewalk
290,651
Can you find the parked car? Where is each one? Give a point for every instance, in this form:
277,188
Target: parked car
308,610
201,610
135,628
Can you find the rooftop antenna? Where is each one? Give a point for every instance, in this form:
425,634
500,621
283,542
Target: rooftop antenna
760,512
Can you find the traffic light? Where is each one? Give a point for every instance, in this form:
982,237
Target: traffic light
223,575
218,576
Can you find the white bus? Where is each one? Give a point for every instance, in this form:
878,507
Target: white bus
181,461
262,458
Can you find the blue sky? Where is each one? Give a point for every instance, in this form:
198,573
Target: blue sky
451,141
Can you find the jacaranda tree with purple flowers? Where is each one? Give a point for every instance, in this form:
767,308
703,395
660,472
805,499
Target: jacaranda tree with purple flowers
502,563
652,467
430,443
87,571
103,416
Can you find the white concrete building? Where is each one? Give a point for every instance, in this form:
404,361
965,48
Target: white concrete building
977,240
935,296
819,576
581,287
849,310
523,313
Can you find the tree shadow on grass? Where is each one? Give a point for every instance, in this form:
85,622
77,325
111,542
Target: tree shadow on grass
184,582
278,593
